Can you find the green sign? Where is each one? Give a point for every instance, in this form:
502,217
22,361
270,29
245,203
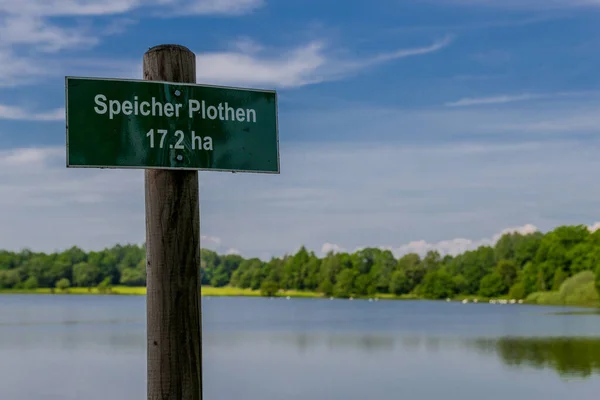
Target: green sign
149,124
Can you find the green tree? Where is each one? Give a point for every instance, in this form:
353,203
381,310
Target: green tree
560,275
133,277
437,285
507,269
532,279
9,278
105,286
31,283
268,289
326,288
460,284
493,285
518,264
400,283
85,275
598,279
63,284
517,291
344,285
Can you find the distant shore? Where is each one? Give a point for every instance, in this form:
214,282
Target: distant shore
206,291
209,291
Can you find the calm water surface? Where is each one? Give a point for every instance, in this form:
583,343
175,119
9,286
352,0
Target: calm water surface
93,348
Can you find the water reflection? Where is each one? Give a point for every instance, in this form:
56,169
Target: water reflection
569,357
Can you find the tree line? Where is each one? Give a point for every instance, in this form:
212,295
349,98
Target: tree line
516,265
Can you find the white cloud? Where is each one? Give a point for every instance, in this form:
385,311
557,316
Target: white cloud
54,8
15,70
333,248
227,7
210,239
450,246
522,4
395,194
31,30
29,157
310,63
28,29
18,113
511,98
458,245
594,227
475,101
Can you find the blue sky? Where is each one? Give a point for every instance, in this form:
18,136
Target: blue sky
410,125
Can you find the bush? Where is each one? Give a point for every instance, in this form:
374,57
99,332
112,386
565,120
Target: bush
517,291
326,287
492,285
105,286
9,279
578,290
31,283
63,284
598,279
545,298
268,289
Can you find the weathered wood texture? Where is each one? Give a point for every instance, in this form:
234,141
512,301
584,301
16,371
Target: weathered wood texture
174,324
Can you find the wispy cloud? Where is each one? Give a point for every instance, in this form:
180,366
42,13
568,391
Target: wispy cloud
38,33
54,8
476,24
16,70
28,28
314,62
475,101
446,191
521,4
224,7
511,98
18,113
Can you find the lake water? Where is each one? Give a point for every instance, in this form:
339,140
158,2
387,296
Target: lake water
94,348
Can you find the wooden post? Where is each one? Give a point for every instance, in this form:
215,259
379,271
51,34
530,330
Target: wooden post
174,323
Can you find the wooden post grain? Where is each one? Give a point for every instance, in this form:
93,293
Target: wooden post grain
174,323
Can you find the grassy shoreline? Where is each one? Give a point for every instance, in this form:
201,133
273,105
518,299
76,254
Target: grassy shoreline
209,291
